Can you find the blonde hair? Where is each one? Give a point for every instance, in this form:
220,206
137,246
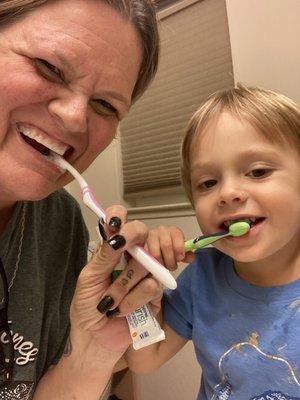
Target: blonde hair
141,13
273,115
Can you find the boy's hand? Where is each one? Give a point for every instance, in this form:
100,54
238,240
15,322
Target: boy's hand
166,244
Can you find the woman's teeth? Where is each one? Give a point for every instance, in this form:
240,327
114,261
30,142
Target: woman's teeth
43,143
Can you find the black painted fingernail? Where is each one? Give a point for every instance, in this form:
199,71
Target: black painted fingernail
105,304
102,230
117,241
115,223
113,313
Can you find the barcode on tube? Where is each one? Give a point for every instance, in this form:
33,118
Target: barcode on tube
144,335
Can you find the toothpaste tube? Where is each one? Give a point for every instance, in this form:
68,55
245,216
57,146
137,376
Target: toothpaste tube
143,326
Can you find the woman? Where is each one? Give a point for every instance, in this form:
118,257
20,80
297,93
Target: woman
69,71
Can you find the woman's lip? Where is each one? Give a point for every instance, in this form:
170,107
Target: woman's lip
69,153
39,157
45,134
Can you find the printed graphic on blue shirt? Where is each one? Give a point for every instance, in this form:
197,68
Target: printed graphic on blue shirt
224,394
254,359
246,338
270,395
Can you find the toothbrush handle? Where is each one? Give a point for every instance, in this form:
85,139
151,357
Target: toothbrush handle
203,241
91,202
161,273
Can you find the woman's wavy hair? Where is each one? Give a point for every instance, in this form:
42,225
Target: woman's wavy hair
141,13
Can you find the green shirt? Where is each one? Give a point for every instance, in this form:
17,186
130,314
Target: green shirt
53,252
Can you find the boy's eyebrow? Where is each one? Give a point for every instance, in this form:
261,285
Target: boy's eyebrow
257,152
253,153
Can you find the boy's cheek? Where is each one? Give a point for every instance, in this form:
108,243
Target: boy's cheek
203,211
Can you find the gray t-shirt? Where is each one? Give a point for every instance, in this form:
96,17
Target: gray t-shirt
54,251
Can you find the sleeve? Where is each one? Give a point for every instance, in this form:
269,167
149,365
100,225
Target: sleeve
178,305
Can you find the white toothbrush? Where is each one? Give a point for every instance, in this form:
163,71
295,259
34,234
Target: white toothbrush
161,273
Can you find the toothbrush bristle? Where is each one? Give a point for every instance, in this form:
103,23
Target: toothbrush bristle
57,159
239,228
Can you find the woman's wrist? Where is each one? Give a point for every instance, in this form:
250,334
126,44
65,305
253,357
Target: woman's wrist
85,346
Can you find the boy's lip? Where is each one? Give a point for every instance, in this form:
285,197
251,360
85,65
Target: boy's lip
254,230
239,217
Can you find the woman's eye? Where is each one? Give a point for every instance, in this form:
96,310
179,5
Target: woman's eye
207,184
259,172
102,107
48,70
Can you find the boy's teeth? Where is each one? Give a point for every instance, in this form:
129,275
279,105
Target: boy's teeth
49,143
232,221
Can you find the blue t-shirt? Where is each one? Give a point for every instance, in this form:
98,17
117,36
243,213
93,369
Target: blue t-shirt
246,338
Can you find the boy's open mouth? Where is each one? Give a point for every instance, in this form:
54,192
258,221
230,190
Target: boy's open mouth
252,221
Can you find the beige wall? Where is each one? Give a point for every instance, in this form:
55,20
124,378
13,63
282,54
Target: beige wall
265,48
265,43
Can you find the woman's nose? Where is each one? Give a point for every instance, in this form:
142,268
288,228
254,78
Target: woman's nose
231,194
70,111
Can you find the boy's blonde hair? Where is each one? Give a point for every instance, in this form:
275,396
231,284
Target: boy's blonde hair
272,114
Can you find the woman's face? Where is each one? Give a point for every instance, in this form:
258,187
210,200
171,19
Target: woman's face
67,72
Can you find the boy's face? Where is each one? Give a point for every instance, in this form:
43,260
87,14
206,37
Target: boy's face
237,173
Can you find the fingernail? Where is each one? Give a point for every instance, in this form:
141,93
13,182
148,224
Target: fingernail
102,230
105,304
113,313
181,257
117,242
115,223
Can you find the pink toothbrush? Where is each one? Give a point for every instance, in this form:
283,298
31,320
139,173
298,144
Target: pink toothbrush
138,252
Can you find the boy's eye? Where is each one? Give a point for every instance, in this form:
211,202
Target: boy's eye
259,172
102,107
48,70
208,184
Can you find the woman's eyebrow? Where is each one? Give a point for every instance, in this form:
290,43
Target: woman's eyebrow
64,62
110,93
119,97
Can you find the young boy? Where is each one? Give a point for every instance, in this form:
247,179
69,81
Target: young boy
240,301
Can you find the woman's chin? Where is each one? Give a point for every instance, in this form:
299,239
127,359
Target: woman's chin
33,191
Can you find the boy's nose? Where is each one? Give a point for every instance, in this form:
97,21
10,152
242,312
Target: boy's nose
70,111
232,194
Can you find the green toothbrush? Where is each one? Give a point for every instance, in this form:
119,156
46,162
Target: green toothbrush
235,229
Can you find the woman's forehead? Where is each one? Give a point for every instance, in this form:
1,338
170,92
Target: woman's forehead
86,36
93,23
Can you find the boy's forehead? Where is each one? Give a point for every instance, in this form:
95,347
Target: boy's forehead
226,125
208,136
227,134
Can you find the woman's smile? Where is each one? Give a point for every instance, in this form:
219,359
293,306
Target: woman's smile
41,141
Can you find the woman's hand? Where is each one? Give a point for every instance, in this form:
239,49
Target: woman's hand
99,305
